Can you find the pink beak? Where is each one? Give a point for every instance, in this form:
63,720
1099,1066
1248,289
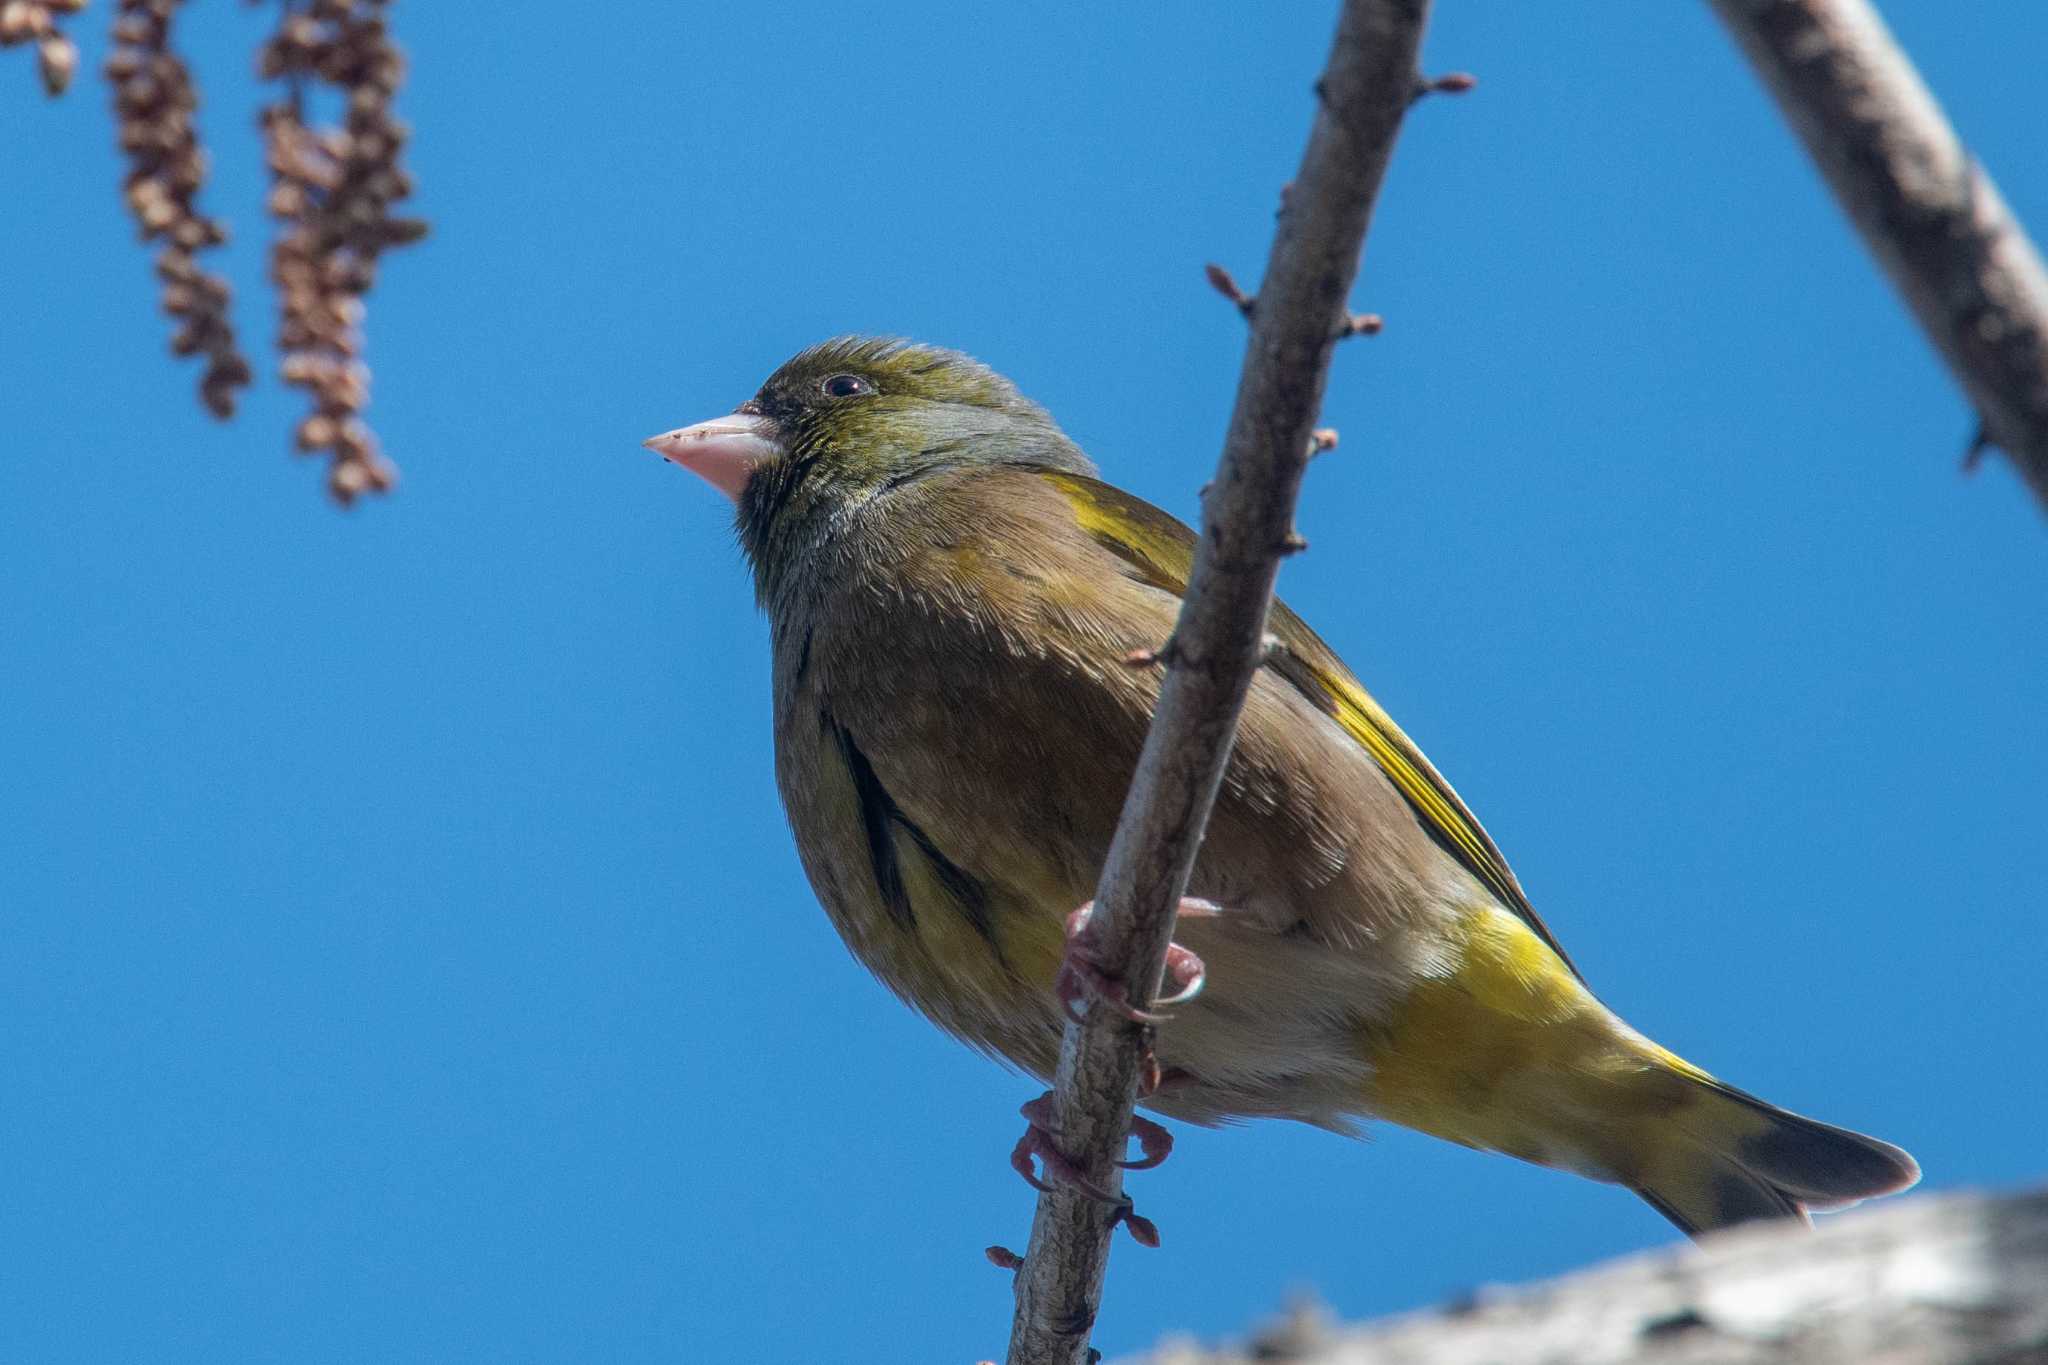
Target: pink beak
722,451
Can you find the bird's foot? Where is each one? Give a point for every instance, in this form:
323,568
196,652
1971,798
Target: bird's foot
1082,978
1153,1140
1037,1156
1039,1143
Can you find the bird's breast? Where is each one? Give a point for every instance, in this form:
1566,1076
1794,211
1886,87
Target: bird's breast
952,936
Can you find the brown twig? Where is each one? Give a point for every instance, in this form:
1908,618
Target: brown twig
1225,283
154,106
332,192
1450,83
1248,514
1928,212
1350,325
36,21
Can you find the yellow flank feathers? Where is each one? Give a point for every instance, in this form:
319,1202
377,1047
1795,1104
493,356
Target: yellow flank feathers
1510,1052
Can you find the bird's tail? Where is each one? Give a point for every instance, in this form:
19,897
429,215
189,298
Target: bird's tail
1508,1050
1727,1157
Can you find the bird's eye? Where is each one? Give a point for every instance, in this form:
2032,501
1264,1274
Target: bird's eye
846,386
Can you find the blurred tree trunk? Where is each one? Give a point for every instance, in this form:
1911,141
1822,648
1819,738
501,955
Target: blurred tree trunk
1939,1279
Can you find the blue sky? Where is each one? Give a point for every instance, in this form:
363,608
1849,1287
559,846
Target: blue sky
404,956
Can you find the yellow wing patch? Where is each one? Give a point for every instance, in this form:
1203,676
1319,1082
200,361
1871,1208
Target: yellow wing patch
1156,546
1160,551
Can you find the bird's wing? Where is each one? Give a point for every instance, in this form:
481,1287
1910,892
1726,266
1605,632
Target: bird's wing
1160,552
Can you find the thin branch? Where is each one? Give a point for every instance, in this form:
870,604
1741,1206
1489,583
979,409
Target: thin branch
1929,213
1248,516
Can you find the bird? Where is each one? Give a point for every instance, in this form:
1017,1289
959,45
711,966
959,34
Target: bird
956,599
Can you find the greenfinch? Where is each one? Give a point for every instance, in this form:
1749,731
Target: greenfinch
955,599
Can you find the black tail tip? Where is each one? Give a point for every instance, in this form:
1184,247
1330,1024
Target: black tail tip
1824,1166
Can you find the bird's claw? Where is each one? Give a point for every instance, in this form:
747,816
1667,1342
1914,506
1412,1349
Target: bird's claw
1038,1143
1037,1157
1185,972
1153,1140
1081,979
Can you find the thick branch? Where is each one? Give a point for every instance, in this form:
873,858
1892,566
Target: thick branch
1248,515
1928,211
1922,1281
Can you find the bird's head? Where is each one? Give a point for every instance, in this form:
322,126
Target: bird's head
852,419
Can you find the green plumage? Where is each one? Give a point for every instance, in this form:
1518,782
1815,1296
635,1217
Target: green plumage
952,594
